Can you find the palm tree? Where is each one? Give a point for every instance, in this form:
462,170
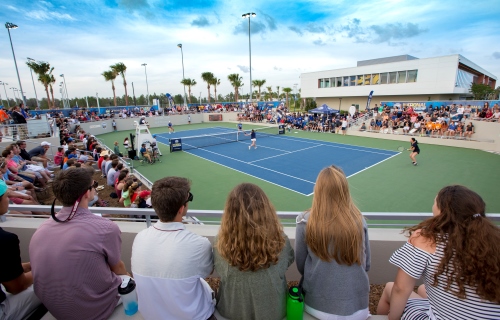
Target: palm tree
189,83
52,80
43,70
287,91
270,90
120,68
110,75
208,78
235,81
258,83
215,83
278,92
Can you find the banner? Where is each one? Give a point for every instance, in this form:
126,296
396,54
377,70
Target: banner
170,100
281,129
425,106
175,144
369,100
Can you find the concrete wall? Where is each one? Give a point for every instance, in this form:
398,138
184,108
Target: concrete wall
383,242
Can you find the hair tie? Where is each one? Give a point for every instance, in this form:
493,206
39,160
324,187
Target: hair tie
477,215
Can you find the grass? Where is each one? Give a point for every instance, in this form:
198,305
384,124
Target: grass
394,185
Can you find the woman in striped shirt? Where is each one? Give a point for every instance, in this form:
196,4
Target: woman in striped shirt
457,252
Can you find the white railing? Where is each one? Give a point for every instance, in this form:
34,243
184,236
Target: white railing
374,219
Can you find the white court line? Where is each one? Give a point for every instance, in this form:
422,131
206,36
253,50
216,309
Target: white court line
263,146
372,165
284,174
287,153
333,144
246,173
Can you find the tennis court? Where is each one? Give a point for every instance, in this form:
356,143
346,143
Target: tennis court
278,159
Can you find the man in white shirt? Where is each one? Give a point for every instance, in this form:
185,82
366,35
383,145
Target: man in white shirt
169,262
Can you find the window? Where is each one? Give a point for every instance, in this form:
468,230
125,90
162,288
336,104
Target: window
383,78
332,82
326,83
339,82
402,76
392,77
412,76
352,81
359,80
375,78
368,78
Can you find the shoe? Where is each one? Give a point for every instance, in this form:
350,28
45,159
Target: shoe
249,147
414,163
255,147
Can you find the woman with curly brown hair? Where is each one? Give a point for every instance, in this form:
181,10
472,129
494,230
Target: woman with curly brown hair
251,255
458,254
332,251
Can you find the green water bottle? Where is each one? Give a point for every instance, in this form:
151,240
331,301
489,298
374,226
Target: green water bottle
295,304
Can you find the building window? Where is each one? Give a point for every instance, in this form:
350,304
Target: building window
392,77
346,81
383,78
338,81
326,83
368,78
375,78
465,79
359,80
401,76
412,76
352,81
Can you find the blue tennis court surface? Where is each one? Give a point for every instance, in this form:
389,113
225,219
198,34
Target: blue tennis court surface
289,162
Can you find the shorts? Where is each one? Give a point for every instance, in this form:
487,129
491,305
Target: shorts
253,140
344,128
16,200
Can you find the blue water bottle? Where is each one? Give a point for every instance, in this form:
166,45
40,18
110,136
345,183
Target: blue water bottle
295,304
129,295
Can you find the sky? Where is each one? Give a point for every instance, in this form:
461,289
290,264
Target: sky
82,38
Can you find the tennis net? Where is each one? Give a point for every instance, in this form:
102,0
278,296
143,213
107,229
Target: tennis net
195,142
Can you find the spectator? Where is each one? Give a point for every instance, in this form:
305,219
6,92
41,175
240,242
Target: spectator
332,251
144,153
39,153
169,262
19,300
251,254
58,158
76,264
111,173
116,149
457,253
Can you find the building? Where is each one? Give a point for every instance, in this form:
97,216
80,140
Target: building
399,78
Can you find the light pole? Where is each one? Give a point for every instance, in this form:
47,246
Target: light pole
66,90
182,55
34,88
244,16
147,86
4,84
63,99
295,96
9,26
14,93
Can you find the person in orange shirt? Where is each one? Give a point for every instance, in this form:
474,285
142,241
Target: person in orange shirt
4,117
437,128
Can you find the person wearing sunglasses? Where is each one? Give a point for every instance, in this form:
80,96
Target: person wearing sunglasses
169,262
76,255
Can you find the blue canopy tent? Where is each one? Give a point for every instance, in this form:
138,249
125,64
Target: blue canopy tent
324,109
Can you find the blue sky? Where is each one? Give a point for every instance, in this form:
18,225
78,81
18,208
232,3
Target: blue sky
81,39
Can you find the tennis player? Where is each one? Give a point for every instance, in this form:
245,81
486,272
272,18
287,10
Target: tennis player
170,128
240,127
253,139
415,150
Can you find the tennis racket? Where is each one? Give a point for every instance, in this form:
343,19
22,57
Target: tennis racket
401,148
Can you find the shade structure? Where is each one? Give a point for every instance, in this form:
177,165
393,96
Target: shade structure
324,109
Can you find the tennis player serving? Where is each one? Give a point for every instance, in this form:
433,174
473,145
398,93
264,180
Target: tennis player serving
253,139
415,150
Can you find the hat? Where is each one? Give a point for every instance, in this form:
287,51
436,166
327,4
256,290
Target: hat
45,143
143,194
104,153
154,135
72,155
3,188
70,139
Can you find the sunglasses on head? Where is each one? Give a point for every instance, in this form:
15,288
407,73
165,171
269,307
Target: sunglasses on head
190,197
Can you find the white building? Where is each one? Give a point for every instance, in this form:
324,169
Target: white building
399,78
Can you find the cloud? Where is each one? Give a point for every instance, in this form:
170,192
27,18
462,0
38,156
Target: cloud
13,8
296,30
47,4
395,31
496,55
46,15
277,69
271,23
315,29
244,69
134,4
353,30
200,22
257,25
319,42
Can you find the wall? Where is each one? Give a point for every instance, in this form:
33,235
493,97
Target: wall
383,242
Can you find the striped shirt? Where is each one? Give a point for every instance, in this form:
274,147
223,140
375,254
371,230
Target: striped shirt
443,304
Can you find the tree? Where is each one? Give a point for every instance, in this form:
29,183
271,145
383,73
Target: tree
52,80
259,84
208,78
189,83
215,83
235,81
110,75
480,91
43,70
287,92
270,91
120,68
278,92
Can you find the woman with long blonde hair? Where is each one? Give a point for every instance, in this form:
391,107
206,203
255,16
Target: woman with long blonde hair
332,251
457,253
251,255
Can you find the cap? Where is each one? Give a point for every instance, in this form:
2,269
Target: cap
45,143
154,135
143,194
104,153
3,188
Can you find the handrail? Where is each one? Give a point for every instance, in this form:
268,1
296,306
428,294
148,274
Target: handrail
148,212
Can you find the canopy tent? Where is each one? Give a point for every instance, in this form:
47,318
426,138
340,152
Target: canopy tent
324,109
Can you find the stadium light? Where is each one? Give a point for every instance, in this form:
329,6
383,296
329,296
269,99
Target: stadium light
9,26
244,16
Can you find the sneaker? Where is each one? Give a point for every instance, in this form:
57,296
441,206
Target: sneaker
255,147
249,147
414,163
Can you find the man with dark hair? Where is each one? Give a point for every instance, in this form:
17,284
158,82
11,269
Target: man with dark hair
19,299
76,264
169,262
39,153
111,173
